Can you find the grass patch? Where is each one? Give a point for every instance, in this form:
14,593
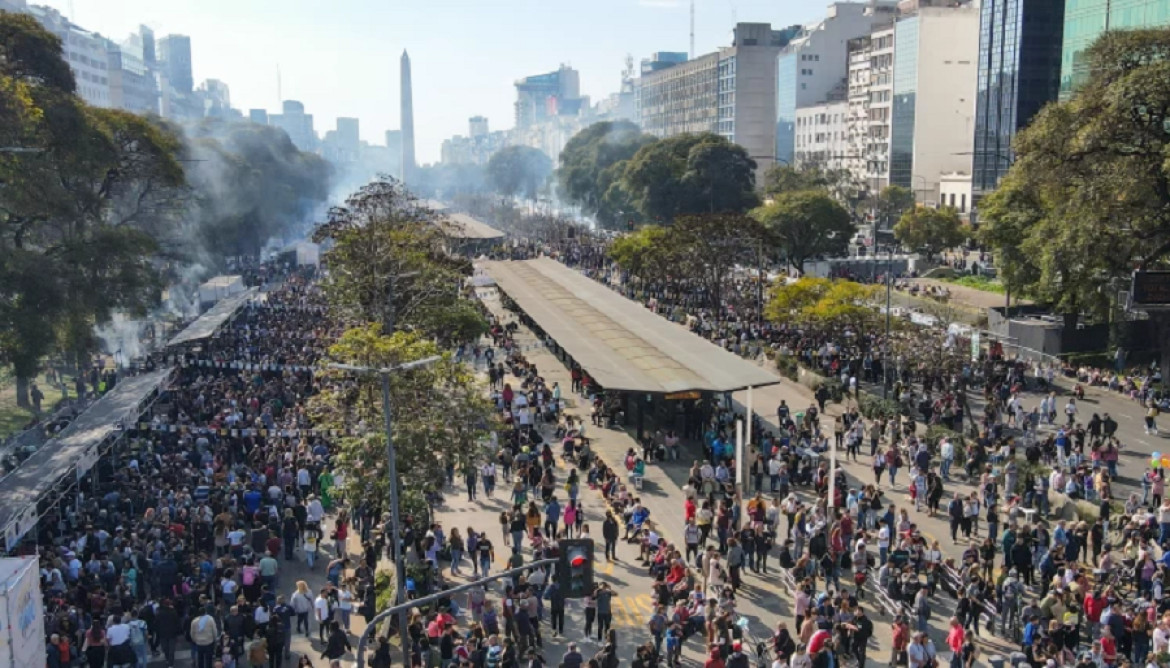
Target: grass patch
983,283
13,418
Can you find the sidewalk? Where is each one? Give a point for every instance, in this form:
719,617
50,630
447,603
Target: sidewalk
762,599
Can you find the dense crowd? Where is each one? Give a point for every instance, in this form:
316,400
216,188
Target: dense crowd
189,532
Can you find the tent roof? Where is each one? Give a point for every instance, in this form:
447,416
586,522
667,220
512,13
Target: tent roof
206,324
37,474
620,343
463,226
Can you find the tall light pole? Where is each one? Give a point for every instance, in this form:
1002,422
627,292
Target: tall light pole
392,462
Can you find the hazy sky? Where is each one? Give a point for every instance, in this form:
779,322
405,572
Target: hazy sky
340,57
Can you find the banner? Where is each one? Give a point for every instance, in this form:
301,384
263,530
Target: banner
236,365
235,432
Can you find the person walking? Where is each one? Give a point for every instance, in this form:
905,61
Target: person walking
323,613
302,604
167,627
204,633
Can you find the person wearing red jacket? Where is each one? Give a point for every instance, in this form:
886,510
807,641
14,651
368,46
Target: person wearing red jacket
1094,605
955,637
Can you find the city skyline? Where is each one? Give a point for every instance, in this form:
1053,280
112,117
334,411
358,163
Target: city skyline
339,81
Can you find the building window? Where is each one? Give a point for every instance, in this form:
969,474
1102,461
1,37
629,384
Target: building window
963,203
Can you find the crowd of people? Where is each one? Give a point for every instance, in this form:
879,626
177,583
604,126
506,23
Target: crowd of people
189,533
1063,589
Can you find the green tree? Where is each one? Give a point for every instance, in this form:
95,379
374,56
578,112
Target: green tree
388,264
83,206
889,205
647,252
700,249
930,231
784,178
585,176
1088,198
806,224
690,174
519,170
441,413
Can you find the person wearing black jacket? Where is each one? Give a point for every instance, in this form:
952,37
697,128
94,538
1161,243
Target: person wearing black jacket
556,605
783,645
955,511
861,636
168,627
277,633
609,531
282,616
338,643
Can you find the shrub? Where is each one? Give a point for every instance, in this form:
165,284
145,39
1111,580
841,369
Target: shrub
835,388
874,407
788,367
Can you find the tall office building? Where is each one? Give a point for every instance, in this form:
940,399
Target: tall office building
931,128
870,94
297,124
1085,20
174,58
813,66
548,95
407,109
1019,72
132,85
477,126
85,52
731,92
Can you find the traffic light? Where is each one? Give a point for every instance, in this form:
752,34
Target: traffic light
575,570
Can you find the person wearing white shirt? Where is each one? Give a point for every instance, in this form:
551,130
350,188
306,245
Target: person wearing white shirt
883,543
1161,637
314,512
322,612
947,452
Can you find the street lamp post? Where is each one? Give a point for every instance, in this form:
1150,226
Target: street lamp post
392,463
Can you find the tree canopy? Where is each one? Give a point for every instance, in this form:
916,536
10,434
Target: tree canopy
441,413
806,224
701,249
828,304
930,230
1088,199
81,205
689,174
591,164
388,263
519,170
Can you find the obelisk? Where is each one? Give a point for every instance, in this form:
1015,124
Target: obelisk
408,163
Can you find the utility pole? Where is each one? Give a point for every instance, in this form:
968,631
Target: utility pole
886,340
392,464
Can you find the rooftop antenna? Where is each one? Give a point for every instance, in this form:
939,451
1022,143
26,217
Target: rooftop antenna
692,29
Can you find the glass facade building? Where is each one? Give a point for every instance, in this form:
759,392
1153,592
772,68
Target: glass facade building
1019,72
1085,20
905,98
786,84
